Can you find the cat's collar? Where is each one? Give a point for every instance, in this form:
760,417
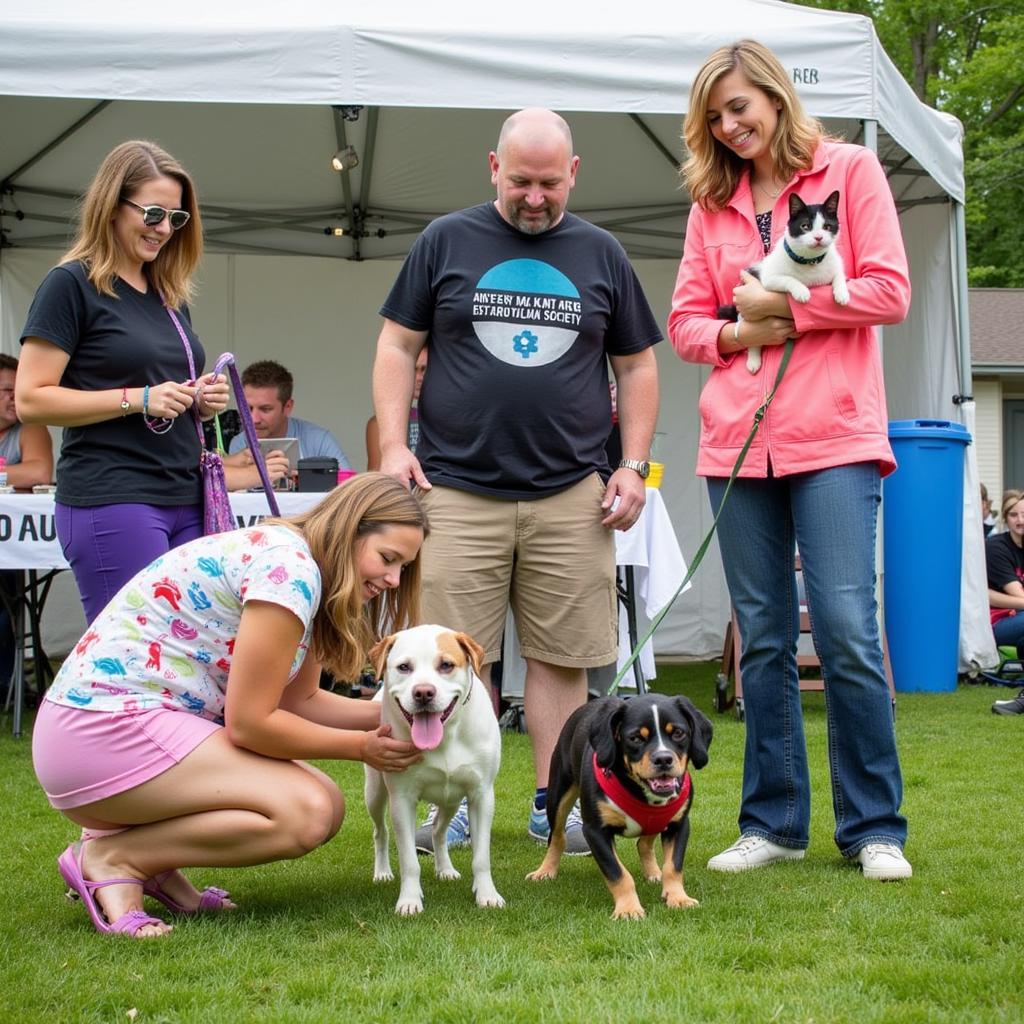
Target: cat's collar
807,260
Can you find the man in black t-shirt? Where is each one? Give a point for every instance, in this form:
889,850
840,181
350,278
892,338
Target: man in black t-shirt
523,305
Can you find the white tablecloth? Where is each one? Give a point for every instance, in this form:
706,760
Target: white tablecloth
650,546
28,540
28,537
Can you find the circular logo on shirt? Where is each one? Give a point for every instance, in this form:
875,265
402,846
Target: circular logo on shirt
526,313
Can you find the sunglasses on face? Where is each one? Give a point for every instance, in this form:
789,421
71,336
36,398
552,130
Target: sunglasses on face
153,215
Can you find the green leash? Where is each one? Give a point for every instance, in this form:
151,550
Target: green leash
220,436
698,557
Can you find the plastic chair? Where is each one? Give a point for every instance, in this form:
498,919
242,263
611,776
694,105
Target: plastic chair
1009,673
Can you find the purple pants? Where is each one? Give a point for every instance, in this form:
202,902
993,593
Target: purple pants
108,544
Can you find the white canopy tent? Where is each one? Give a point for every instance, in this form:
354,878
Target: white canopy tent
255,99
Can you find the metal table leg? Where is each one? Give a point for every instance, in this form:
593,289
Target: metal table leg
627,594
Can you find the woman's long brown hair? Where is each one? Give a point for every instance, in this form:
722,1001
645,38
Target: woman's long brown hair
712,171
346,626
124,171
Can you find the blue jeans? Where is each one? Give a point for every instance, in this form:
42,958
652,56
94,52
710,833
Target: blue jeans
1009,632
831,516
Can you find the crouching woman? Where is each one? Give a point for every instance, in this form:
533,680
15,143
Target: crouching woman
175,731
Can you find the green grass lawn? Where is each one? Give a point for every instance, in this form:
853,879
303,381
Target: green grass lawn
812,941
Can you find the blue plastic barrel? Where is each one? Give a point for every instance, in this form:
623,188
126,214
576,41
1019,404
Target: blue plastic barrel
922,515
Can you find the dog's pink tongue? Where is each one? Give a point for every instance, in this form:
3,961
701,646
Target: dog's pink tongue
427,729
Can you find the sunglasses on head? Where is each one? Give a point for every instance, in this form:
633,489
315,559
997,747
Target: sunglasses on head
153,215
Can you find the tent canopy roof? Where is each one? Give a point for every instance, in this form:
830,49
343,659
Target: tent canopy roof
250,98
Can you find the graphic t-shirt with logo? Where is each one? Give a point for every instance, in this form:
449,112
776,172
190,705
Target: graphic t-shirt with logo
515,403
166,639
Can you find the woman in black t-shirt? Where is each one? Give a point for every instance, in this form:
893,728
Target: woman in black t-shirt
1004,556
106,355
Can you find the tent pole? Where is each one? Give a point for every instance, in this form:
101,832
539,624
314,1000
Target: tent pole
346,184
369,145
870,135
962,313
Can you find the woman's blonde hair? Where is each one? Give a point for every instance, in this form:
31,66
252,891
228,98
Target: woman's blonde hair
1010,498
123,172
712,171
346,626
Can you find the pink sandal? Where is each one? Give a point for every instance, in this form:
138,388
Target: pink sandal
211,899
69,863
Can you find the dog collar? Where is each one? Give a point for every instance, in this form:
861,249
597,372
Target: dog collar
805,260
653,819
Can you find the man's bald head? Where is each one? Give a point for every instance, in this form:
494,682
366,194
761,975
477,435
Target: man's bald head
532,126
533,168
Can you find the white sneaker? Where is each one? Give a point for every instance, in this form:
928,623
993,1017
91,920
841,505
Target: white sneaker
884,862
750,851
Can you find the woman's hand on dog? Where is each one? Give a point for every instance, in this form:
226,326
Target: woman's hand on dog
385,754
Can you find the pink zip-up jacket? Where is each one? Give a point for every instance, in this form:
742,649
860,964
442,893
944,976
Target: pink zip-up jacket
830,408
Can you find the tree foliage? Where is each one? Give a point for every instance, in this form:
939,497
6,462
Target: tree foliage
967,58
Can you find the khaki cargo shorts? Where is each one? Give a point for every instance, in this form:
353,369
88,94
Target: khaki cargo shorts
550,559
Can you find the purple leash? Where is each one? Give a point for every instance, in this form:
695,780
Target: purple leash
227,360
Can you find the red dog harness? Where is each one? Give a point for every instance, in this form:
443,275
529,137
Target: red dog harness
653,819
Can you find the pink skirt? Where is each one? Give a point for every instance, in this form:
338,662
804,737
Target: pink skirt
84,756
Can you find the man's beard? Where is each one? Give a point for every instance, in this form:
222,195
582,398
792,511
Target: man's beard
514,211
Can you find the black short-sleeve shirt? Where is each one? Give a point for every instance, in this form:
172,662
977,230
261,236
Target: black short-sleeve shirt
1004,561
515,401
112,342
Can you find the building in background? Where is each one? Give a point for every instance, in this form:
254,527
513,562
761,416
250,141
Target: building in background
997,365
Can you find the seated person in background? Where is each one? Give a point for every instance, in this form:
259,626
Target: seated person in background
988,517
268,393
26,446
28,449
1004,557
372,430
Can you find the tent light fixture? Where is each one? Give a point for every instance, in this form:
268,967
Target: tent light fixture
337,232
345,159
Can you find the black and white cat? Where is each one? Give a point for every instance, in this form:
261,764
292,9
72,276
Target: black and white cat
804,256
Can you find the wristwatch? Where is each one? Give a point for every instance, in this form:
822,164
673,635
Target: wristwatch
643,468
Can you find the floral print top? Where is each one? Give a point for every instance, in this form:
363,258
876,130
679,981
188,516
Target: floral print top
167,637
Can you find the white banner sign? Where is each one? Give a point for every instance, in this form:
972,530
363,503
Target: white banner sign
28,535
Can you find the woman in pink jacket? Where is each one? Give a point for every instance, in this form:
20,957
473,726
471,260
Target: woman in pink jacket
812,478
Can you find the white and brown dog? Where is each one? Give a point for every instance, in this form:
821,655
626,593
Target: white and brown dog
431,694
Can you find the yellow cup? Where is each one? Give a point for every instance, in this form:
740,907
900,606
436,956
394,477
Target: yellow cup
655,475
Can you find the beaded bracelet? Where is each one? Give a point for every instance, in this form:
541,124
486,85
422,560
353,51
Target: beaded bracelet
158,425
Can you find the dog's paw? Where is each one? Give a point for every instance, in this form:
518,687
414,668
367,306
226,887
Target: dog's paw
653,876
385,875
628,910
448,874
409,907
489,897
542,874
679,900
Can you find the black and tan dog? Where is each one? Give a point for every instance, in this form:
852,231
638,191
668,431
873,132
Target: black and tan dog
627,762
